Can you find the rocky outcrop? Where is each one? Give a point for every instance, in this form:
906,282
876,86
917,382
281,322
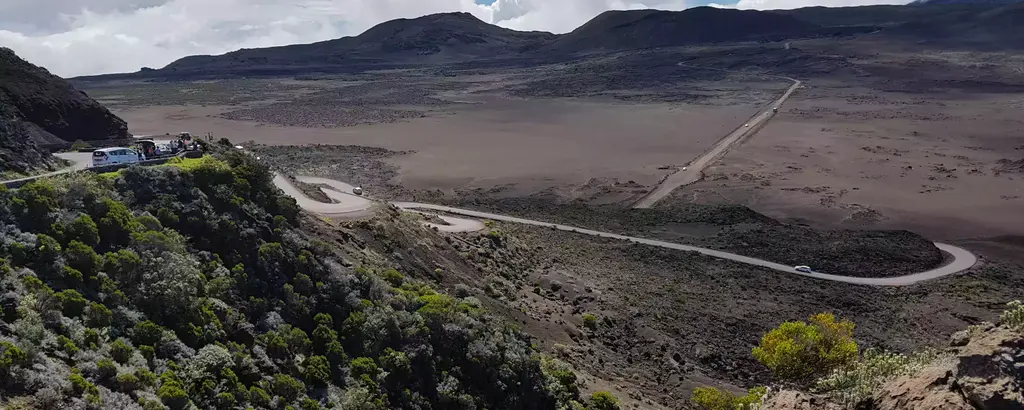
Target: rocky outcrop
984,370
64,114
794,400
39,110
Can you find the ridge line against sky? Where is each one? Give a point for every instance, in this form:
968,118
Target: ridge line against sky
83,37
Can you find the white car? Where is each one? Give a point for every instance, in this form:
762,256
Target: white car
116,155
357,190
803,268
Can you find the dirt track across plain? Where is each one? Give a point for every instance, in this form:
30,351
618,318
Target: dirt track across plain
695,170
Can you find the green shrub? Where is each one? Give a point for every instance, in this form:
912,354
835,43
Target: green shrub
128,382
10,356
590,321
98,315
1013,317
121,351
394,277
799,351
149,352
106,369
68,346
711,398
83,229
309,404
147,333
83,258
72,303
363,366
91,338
225,400
317,371
80,385
259,397
287,387
145,377
603,400
171,391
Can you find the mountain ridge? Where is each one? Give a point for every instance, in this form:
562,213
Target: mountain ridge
461,37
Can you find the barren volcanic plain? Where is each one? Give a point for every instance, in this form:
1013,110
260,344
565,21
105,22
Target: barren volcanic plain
890,142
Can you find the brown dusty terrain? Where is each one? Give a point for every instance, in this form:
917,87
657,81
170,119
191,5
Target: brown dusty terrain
930,142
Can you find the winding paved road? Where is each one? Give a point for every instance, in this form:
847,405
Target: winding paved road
346,203
694,171
961,259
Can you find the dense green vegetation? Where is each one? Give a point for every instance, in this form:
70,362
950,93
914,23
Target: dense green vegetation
192,286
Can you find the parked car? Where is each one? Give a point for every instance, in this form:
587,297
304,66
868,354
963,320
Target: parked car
803,268
116,155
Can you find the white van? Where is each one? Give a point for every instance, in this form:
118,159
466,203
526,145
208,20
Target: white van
116,155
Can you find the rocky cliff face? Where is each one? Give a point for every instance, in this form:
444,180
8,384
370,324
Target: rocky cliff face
32,94
984,371
40,110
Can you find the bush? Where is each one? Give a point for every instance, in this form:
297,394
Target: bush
317,371
287,387
259,397
66,345
171,391
79,145
147,333
11,356
128,382
1013,317
83,229
590,321
83,258
799,351
363,366
711,398
72,303
98,315
603,400
121,351
106,369
854,384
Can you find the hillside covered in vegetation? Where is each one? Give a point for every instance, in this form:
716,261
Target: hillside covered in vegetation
197,285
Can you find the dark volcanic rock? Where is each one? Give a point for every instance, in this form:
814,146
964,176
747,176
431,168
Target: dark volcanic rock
38,109
634,29
432,38
32,94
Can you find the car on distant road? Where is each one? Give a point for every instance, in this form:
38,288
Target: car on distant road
357,190
803,268
116,155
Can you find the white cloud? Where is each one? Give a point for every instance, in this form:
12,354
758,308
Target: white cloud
80,37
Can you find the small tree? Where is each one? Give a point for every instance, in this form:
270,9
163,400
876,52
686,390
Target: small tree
799,351
603,400
317,371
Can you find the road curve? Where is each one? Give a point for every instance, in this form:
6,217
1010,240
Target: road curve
694,171
961,259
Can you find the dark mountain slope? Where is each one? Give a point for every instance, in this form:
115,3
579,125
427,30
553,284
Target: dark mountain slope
40,109
988,28
432,38
882,15
635,29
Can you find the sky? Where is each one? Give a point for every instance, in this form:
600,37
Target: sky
83,37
